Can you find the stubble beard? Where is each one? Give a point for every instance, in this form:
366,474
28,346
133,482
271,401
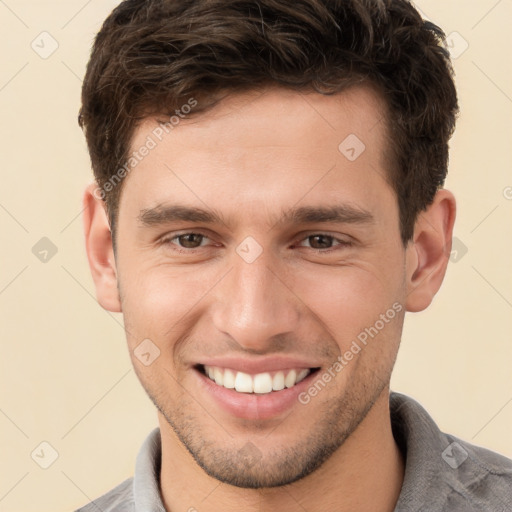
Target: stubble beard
243,465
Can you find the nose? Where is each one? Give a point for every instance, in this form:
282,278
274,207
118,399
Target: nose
254,305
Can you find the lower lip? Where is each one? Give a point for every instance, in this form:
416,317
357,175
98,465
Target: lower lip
254,406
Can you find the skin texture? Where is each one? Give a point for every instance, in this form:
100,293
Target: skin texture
250,159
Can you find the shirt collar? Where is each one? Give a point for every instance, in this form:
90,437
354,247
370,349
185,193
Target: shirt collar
146,479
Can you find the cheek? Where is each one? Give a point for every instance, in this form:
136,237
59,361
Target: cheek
156,301
351,298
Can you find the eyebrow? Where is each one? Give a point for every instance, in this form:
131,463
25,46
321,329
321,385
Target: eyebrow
346,214
163,214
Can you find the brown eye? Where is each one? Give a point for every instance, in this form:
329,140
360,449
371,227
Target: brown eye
323,242
190,240
320,241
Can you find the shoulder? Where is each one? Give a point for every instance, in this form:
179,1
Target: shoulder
479,475
119,499
443,472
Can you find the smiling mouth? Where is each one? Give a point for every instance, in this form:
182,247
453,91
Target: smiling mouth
260,383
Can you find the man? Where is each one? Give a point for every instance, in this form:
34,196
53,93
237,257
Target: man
268,204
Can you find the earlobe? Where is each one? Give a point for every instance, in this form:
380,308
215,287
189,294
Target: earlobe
100,252
427,255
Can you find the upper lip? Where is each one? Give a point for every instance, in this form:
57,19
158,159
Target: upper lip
259,365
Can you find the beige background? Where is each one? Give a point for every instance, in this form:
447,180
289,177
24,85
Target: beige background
65,373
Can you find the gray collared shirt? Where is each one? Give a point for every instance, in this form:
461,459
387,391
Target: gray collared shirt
442,473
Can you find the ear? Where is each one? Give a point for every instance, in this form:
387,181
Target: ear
100,252
427,255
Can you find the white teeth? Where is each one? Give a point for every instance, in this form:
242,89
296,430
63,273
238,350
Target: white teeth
229,379
218,375
300,376
278,381
243,383
290,379
261,383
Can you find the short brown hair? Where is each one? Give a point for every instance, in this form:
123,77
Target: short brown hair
151,56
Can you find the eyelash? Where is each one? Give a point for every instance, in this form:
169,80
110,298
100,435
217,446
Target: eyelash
182,250
339,244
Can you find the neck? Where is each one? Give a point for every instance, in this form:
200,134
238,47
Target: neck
364,474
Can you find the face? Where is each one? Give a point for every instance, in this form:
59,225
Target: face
253,250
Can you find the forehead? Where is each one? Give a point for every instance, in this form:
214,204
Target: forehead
276,144
275,111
